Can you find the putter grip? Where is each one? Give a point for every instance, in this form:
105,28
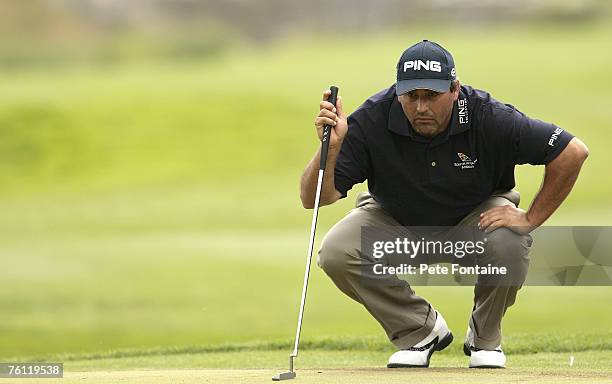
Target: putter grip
327,130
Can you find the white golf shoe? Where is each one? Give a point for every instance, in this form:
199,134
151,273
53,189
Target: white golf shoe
482,358
418,356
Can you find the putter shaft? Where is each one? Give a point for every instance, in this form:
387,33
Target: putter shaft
324,148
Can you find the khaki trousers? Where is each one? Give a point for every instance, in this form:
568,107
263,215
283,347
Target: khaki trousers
406,317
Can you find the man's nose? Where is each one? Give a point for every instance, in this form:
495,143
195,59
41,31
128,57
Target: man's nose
422,105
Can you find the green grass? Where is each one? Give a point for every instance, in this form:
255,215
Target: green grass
329,359
248,115
325,366
156,208
518,344
95,292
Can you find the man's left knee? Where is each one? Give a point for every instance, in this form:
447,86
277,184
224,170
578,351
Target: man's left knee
505,247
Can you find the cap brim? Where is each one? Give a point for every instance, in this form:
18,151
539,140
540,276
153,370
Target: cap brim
437,85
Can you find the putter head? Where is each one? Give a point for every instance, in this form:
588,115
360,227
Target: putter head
284,376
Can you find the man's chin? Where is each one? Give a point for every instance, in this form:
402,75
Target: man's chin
427,130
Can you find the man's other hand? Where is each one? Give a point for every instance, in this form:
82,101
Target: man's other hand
507,216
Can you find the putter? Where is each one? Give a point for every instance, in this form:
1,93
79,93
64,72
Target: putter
324,148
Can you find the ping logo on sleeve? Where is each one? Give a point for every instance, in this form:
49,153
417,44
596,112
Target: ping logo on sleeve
554,137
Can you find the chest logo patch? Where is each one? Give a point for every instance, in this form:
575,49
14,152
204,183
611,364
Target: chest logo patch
465,162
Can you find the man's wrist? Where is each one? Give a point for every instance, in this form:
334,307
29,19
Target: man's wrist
531,221
336,147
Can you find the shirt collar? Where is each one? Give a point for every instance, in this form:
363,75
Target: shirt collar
460,119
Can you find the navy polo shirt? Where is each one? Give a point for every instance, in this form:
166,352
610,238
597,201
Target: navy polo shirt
421,181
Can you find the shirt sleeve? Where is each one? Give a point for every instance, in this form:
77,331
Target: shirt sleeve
352,165
537,142
523,140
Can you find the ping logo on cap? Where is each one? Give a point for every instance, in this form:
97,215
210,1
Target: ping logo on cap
417,65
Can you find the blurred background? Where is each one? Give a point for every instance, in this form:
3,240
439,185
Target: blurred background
150,155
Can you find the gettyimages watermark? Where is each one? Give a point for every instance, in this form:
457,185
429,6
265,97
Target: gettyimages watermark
548,256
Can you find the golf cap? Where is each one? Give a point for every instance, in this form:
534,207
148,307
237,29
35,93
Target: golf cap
425,65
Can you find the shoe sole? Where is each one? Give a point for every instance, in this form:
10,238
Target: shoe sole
441,345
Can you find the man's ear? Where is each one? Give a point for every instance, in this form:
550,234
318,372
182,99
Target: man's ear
456,93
